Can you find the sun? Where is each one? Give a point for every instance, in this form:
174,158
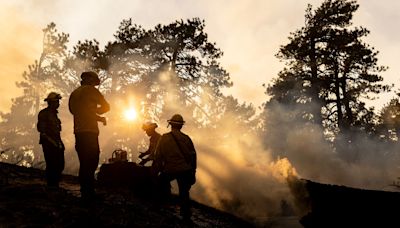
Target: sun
130,114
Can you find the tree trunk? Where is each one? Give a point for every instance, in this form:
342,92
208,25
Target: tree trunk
338,98
315,86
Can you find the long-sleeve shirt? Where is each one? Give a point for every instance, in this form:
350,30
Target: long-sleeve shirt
171,158
49,125
86,103
153,144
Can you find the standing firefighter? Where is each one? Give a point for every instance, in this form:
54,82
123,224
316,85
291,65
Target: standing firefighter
175,158
49,127
150,129
86,103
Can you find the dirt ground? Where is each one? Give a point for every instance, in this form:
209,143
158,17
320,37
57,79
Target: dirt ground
25,201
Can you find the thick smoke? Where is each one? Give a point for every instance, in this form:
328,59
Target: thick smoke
237,175
239,170
374,165
18,35
234,172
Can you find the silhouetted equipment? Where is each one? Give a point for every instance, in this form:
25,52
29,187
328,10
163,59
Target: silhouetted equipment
118,156
119,172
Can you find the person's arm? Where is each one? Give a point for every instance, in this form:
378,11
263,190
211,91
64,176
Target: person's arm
41,124
103,106
152,147
193,156
142,154
71,103
101,119
158,156
42,128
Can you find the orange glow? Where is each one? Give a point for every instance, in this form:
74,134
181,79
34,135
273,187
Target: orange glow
21,43
130,114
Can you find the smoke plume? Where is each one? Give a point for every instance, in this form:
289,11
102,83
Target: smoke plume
18,35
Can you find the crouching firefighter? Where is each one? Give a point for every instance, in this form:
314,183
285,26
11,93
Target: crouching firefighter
49,127
175,158
150,129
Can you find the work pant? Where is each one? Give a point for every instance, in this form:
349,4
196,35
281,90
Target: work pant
184,180
54,157
87,147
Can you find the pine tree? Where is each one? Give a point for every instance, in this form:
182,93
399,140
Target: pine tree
329,72
18,128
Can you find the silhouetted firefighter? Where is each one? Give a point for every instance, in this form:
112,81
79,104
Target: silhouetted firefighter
175,158
86,103
150,129
49,126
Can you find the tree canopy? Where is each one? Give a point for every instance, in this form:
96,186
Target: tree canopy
330,71
168,69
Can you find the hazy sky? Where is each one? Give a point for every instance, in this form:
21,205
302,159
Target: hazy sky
248,31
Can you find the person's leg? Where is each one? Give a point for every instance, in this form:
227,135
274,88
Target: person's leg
88,151
164,187
51,163
93,160
60,163
184,185
81,151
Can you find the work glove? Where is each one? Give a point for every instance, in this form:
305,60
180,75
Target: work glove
143,162
141,155
104,121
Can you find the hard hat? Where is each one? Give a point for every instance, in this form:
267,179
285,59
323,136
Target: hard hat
149,125
53,96
90,75
176,119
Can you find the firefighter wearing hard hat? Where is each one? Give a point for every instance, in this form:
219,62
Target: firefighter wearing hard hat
175,158
150,129
49,127
86,103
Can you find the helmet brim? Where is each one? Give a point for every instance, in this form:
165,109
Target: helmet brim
175,122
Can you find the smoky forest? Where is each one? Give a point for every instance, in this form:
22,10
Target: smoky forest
316,122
